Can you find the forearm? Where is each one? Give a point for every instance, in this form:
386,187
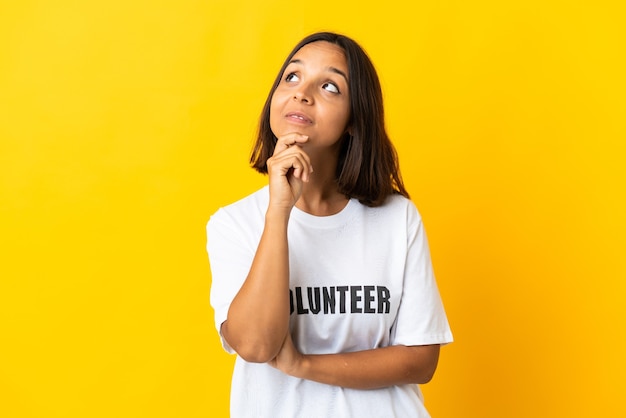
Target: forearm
258,316
370,369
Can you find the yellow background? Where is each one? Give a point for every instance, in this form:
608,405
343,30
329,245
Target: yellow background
125,124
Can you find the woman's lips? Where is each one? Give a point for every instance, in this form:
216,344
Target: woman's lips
298,118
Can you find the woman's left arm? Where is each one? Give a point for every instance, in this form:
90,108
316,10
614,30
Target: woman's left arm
368,369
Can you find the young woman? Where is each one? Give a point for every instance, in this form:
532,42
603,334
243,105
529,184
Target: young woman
322,280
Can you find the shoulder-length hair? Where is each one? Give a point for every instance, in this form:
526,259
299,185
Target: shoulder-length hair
368,167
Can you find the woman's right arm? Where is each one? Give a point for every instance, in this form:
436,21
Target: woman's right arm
258,317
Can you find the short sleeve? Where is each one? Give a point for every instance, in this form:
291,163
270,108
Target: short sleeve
421,318
230,259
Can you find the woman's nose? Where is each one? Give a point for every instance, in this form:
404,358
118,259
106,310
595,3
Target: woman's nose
302,95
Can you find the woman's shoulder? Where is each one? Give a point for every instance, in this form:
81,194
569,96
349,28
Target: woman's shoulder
398,202
246,208
398,210
254,199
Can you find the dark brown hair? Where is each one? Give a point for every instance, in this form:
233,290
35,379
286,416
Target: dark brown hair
368,168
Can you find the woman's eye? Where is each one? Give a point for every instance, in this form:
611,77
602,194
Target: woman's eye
291,77
330,87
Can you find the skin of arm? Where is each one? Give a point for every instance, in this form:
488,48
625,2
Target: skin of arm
368,369
256,326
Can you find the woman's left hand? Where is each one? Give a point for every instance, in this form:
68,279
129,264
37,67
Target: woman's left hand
288,358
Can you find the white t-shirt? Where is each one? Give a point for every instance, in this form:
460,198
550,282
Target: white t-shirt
360,279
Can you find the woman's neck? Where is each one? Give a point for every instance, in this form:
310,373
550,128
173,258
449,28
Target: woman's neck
321,196
321,203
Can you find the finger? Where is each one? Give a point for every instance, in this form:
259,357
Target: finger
297,161
286,141
299,171
285,159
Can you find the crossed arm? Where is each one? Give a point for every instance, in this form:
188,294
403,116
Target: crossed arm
259,331
368,369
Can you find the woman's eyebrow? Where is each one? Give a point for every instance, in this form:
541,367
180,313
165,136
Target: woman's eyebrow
331,69
338,71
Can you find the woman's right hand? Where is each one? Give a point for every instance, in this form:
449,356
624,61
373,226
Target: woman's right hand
288,168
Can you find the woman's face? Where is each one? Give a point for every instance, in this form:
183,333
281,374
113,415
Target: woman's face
312,97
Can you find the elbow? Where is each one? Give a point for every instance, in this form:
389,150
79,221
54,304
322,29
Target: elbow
425,376
424,364
256,353
259,349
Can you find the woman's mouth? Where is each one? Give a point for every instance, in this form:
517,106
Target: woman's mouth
298,117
